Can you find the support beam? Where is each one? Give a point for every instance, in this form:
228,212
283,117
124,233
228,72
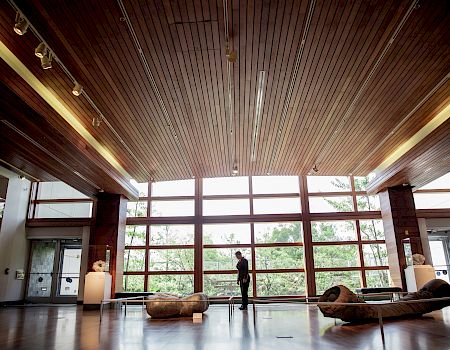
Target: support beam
401,229
109,230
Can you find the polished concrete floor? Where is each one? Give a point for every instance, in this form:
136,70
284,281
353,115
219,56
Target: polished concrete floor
273,327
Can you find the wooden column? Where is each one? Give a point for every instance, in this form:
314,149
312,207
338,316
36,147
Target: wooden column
400,226
307,239
198,237
109,230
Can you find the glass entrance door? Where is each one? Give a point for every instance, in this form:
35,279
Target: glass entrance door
40,275
54,272
440,254
69,271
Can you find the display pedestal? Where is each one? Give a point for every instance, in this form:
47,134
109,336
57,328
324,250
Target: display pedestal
97,287
418,275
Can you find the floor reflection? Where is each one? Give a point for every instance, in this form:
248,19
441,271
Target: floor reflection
268,327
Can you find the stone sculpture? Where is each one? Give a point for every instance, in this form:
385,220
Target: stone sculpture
169,305
340,294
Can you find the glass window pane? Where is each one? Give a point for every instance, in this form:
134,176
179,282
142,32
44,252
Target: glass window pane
273,284
173,208
276,205
375,255
371,229
279,232
368,203
141,187
226,207
226,234
432,200
329,231
133,283
225,185
134,260
64,210
330,204
279,258
58,190
275,184
223,258
325,280
223,285
171,234
177,284
171,260
135,235
336,256
173,188
137,209
328,184
378,278
441,183
361,182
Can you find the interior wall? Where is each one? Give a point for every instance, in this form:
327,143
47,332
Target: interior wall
13,241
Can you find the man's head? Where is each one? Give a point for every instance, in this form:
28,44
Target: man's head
238,255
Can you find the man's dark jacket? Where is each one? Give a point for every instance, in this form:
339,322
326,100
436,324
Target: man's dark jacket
242,267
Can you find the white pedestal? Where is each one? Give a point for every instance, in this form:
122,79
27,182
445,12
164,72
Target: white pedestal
97,287
418,275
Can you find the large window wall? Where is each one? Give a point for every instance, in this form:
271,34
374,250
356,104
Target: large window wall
300,235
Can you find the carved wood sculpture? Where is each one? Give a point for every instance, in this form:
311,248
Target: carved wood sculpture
168,305
404,307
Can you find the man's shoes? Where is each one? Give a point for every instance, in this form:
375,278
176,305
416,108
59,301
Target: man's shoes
243,307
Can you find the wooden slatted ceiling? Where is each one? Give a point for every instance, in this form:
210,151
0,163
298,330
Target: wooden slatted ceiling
184,44
27,137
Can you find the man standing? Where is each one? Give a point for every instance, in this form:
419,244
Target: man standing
243,278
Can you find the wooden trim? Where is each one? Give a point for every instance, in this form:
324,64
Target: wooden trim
307,238
65,200
198,237
335,243
433,213
330,269
433,191
66,222
161,247
252,236
172,198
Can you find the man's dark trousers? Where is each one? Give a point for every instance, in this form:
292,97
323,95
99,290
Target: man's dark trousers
244,292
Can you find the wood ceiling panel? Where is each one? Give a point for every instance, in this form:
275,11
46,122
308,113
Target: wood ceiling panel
340,77
27,137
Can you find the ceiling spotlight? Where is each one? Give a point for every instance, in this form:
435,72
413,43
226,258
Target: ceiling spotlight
235,170
315,169
96,121
21,25
40,50
77,89
46,60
